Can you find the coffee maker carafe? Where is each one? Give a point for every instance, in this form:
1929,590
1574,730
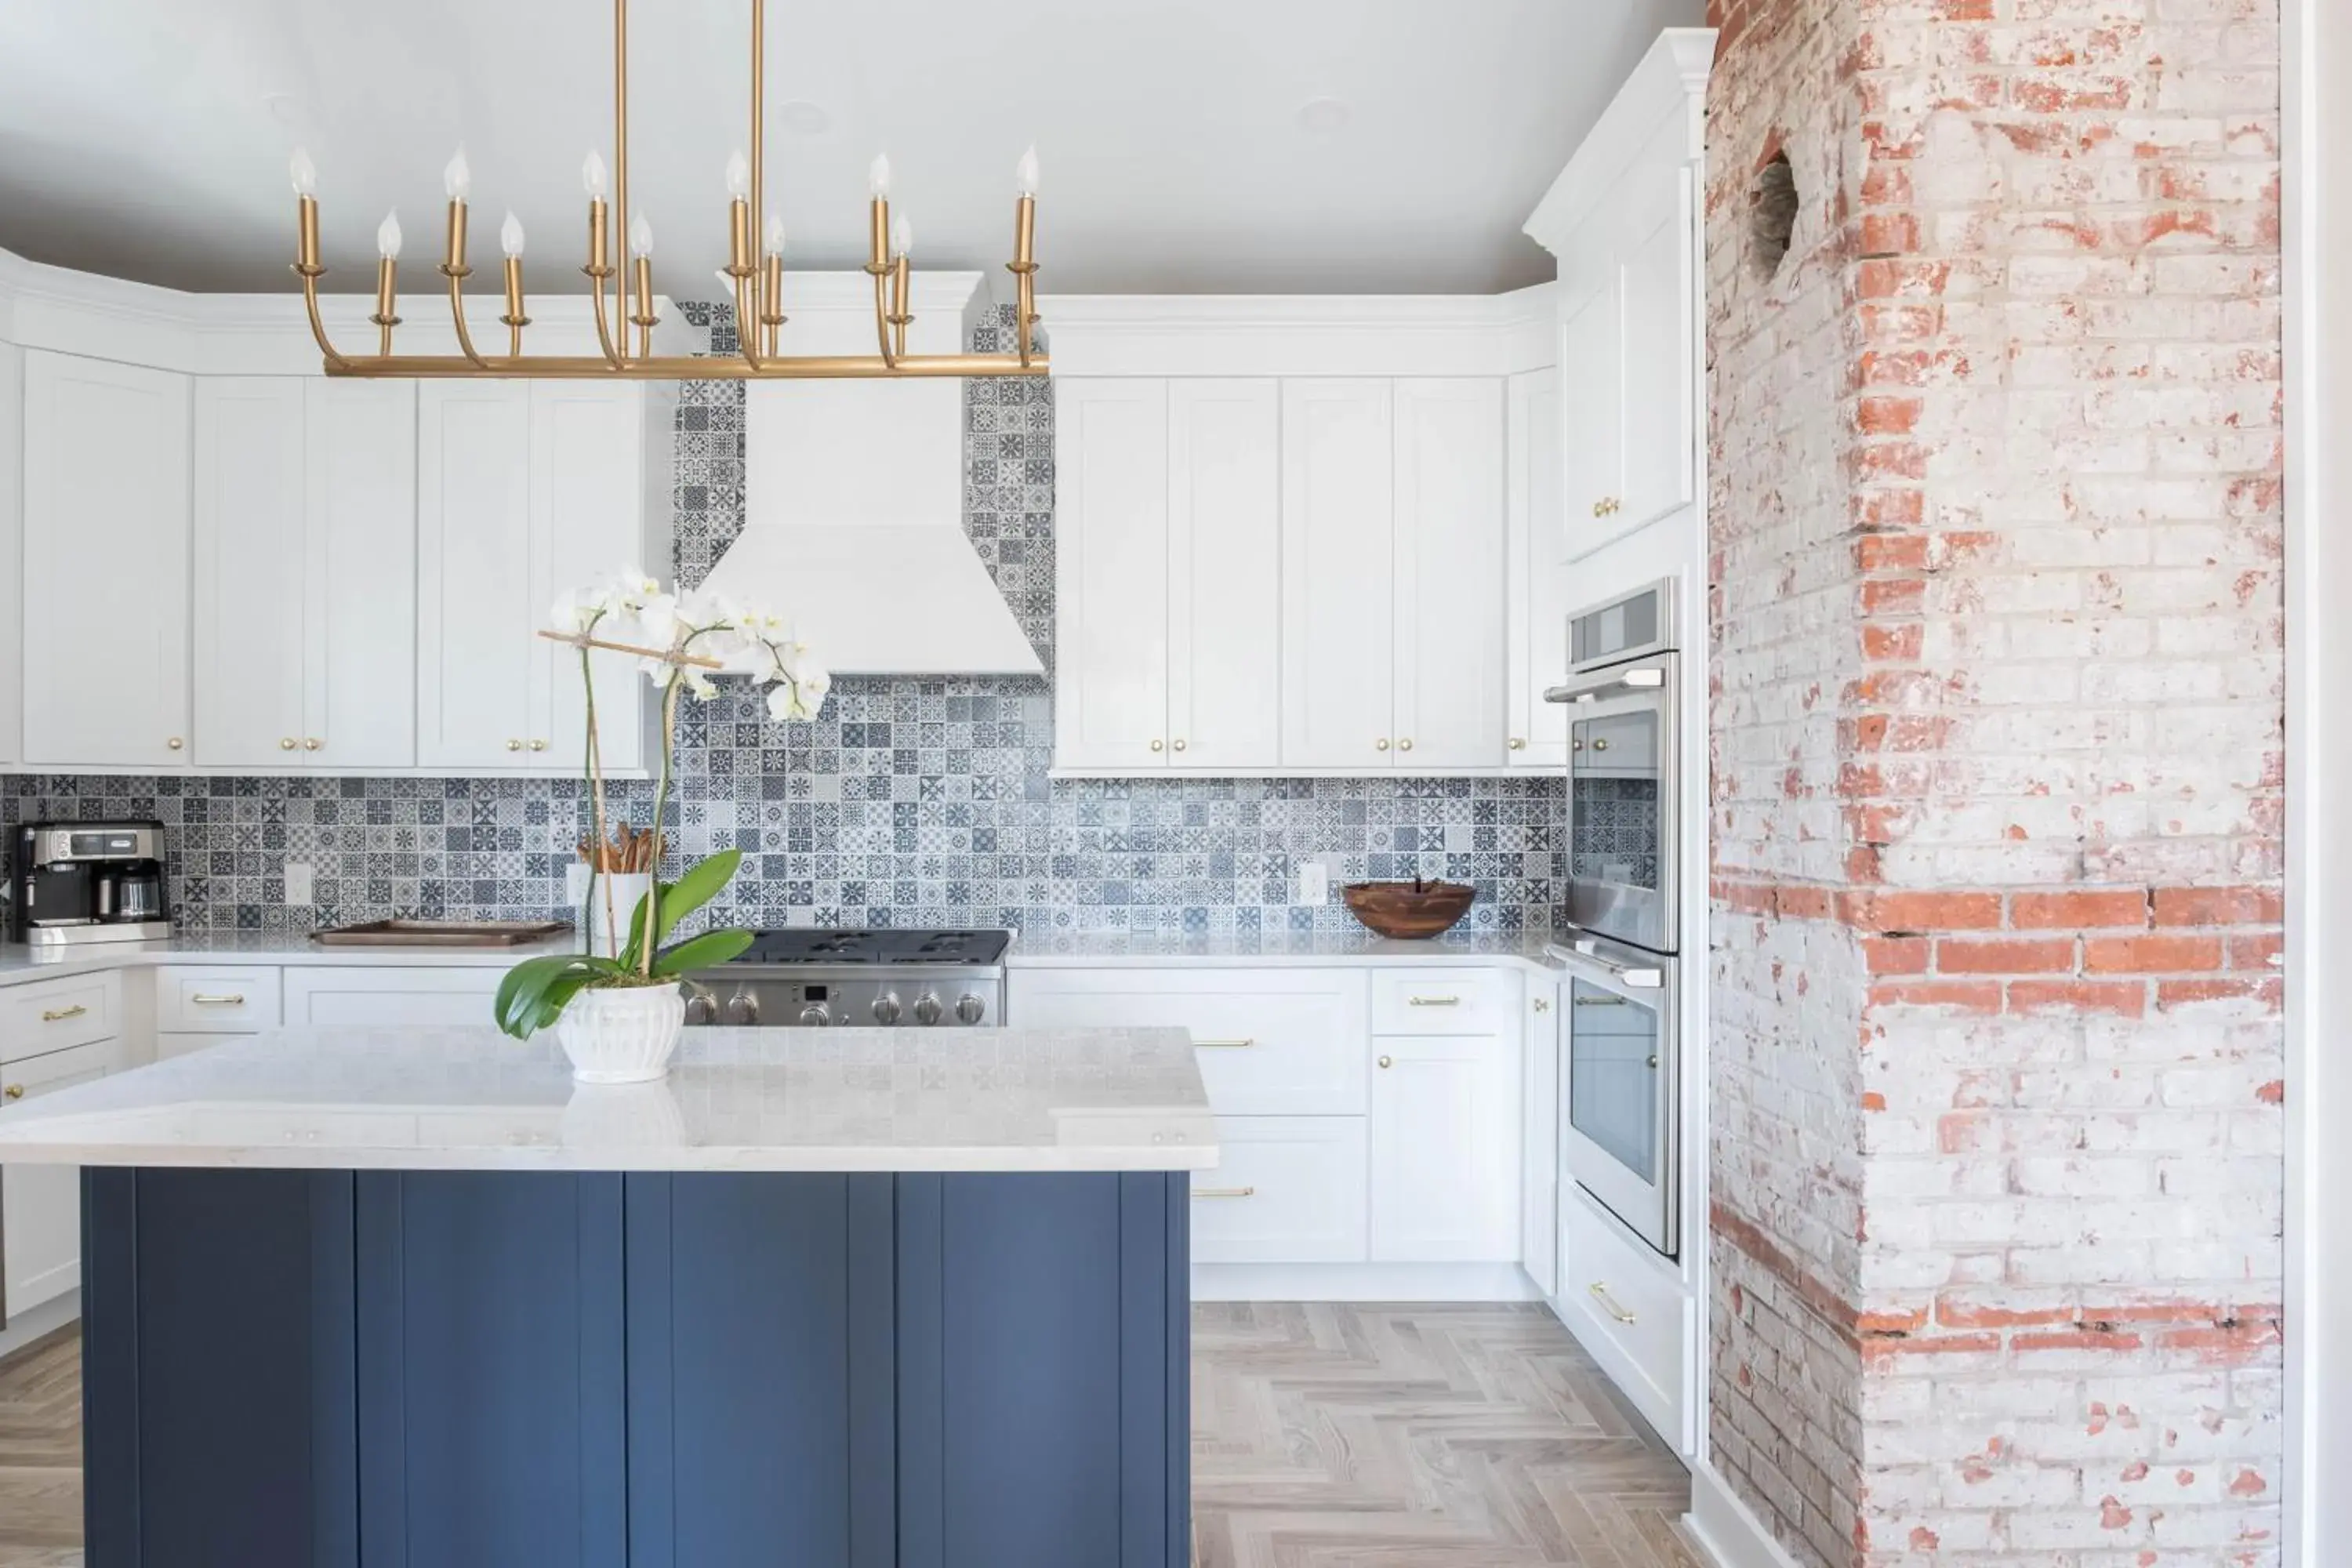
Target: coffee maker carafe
87,881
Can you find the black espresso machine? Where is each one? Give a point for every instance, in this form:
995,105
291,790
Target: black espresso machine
71,882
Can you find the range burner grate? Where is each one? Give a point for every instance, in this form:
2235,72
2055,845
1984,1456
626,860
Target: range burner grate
806,945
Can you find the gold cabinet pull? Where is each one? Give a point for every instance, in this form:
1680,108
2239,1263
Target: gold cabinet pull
1180,744
1156,745
1224,1191
1543,1004
1600,742
1517,744
203,999
60,1015
314,743
286,743
538,746
174,743
14,1091
1405,744
1601,1294
1381,745
1432,1000
514,745
1388,1061
1240,1045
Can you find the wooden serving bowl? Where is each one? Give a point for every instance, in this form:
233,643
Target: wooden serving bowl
1408,908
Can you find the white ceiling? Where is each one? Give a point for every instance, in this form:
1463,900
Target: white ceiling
148,139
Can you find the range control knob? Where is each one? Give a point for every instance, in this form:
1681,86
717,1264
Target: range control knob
927,1008
970,1008
701,1009
742,1009
815,1015
886,1007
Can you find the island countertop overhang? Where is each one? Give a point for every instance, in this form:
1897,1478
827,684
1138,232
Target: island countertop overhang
469,1099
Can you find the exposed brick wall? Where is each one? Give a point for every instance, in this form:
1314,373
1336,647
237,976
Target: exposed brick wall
1996,795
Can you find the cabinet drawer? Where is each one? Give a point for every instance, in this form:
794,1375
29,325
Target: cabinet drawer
1446,1002
394,994
52,1015
1287,1189
215,1000
1610,1278
1270,1042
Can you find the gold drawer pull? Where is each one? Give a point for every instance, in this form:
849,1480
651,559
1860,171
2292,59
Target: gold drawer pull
60,1015
1601,1294
14,1091
1224,1192
202,1000
1240,1045
1432,1000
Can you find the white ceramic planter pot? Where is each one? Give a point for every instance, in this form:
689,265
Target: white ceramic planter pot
622,1033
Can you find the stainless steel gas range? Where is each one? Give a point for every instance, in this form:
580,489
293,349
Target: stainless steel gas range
815,978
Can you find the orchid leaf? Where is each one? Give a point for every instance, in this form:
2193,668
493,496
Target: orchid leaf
695,886
521,1007
704,952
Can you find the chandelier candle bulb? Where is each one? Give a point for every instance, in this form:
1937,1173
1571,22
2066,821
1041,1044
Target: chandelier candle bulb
457,177
592,176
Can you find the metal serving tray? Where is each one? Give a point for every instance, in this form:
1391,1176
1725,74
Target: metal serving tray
440,933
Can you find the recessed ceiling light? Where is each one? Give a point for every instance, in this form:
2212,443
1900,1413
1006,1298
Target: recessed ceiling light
803,118
1323,115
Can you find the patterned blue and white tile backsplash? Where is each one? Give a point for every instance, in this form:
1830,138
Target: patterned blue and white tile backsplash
909,802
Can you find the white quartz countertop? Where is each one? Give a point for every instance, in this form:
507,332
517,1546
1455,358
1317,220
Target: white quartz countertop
1112,948
471,1098
20,963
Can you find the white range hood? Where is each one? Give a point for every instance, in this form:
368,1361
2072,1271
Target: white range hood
853,500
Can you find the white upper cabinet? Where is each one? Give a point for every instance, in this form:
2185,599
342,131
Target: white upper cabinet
1224,574
105,564
12,551
1536,607
358,600
1450,687
477,664
1339,561
524,489
589,507
1111,579
1656,246
1591,406
304,603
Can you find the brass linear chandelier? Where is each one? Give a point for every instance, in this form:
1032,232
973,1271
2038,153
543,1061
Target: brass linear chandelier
759,279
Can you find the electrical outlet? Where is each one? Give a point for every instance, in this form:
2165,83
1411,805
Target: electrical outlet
298,881
575,881
1314,882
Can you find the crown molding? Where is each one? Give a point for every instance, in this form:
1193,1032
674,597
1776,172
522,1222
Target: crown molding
1669,80
1299,334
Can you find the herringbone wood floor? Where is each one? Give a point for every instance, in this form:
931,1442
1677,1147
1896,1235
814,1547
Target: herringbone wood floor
1323,1436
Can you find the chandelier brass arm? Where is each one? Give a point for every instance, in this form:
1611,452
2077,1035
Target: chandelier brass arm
755,266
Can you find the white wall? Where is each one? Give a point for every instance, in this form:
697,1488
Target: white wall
2318,289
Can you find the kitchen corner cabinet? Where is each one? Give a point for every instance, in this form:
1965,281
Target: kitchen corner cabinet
1536,613
105,564
305,569
1168,569
524,489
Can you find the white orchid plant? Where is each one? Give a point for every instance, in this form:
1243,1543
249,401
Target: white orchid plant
683,642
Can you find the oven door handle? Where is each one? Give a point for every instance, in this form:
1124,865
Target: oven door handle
1633,976
1609,685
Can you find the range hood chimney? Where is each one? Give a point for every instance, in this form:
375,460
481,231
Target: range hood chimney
853,498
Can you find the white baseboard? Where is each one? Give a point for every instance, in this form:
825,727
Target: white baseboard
1725,1530
37,1322
1361,1282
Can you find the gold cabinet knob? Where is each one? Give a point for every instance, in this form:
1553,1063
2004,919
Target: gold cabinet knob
1155,745
314,743
1381,745
14,1091
176,742
1405,744
1180,745
287,745
1600,742
1543,1004
538,746
514,745
1388,1061
1517,744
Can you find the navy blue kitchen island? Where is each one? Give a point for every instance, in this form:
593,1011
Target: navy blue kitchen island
383,1362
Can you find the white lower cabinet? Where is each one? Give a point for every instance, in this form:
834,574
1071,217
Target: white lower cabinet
53,1035
1629,1307
1288,1189
1540,1137
361,994
1444,1155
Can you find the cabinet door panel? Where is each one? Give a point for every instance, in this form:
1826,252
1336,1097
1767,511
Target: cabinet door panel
1655,274
1539,1139
477,657
1537,607
40,1206
587,486
1592,395
1224,574
1287,1189
360,632
1338,571
1450,690
106,537
12,551
1110,691
1444,1148
437,996
249,562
